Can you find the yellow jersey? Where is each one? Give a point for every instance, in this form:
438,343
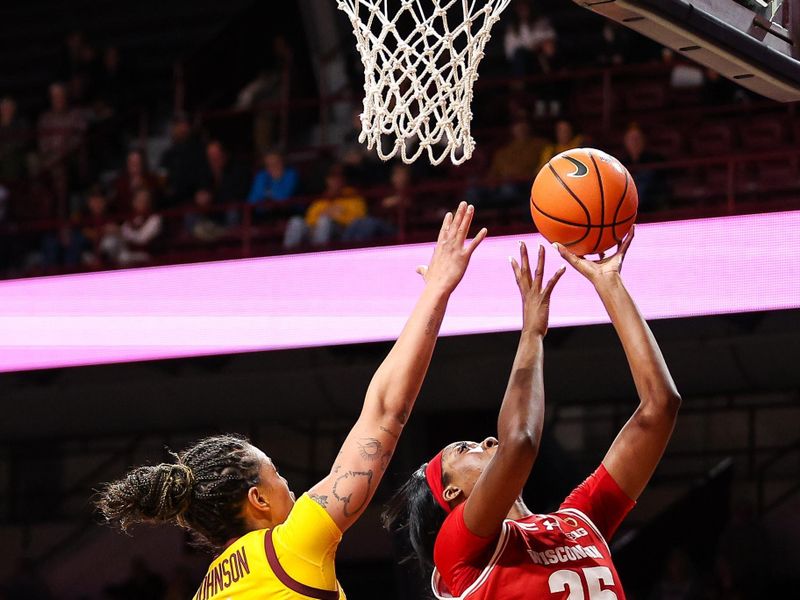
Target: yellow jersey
294,560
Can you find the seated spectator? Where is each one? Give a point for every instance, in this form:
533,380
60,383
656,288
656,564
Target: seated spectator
15,140
78,244
202,224
61,132
549,95
134,241
566,139
135,177
61,129
383,219
328,216
649,183
273,85
684,74
512,169
612,47
524,38
275,182
362,166
229,179
114,81
35,200
184,162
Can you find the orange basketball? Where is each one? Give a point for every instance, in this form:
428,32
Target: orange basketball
584,199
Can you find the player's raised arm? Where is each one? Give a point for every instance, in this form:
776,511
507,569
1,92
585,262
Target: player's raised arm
519,424
638,448
366,452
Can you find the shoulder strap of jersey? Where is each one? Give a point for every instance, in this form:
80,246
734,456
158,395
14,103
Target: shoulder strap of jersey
288,581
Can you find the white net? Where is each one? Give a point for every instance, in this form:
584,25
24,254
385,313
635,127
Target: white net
420,62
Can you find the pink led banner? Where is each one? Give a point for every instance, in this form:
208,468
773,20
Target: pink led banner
677,269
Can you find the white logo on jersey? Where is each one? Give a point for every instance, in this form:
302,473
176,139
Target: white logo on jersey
564,554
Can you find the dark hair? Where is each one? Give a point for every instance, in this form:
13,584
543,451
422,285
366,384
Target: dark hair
414,514
202,491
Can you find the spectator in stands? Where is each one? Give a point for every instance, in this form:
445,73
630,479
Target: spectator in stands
229,179
134,241
566,139
184,162
203,224
275,182
513,167
612,47
549,95
362,166
384,219
329,215
78,244
649,183
114,81
684,74
524,38
15,140
265,94
35,199
61,132
135,177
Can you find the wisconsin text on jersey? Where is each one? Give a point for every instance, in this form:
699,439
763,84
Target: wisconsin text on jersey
230,570
564,554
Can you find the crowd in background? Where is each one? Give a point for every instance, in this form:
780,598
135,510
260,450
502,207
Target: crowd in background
109,198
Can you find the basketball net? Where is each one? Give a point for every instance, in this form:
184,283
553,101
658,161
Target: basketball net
418,86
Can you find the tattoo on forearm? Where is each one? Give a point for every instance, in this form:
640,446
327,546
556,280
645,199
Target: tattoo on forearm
321,500
390,432
369,448
352,482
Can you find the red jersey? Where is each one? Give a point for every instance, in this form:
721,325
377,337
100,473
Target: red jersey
560,556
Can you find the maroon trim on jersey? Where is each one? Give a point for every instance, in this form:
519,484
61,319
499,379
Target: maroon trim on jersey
288,581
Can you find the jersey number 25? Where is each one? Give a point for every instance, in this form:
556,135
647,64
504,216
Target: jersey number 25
571,581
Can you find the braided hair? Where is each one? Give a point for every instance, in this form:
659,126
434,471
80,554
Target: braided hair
414,515
202,491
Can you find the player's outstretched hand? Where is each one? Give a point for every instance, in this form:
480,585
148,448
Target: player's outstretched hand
598,271
451,257
535,300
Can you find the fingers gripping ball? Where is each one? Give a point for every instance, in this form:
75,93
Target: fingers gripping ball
584,199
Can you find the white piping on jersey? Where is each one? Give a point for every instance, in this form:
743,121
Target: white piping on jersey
589,522
498,551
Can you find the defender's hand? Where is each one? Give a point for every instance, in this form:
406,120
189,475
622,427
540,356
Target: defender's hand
535,300
451,257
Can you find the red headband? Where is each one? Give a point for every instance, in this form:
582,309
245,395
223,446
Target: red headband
433,473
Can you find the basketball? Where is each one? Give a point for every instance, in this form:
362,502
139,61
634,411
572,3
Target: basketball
584,199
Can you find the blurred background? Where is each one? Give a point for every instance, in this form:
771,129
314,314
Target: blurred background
148,133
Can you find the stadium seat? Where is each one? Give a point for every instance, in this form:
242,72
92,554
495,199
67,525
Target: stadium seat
763,134
713,139
647,95
668,142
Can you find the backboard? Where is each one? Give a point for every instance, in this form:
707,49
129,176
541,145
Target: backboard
755,43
